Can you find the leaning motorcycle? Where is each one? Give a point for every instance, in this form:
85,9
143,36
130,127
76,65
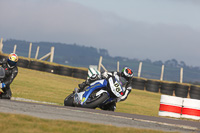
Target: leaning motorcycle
98,94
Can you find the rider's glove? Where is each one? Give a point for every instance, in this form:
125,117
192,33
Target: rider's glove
2,85
105,75
94,77
129,88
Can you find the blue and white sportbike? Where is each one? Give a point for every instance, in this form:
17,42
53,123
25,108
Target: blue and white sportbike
98,94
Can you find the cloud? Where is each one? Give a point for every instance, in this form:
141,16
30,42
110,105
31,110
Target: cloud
48,17
195,2
70,22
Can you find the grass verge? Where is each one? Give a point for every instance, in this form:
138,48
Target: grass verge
11,123
42,86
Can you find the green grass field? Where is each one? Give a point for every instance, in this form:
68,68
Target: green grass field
10,123
42,86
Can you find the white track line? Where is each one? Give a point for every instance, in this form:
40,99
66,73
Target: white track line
161,123
30,100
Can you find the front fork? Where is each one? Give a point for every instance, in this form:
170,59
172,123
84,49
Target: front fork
78,98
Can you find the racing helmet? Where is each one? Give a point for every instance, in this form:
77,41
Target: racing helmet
127,73
12,60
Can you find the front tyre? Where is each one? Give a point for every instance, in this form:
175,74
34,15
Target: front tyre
69,100
93,104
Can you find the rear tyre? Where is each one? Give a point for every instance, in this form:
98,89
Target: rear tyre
104,96
69,100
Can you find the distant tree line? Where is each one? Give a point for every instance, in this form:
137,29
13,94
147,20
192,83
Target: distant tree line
83,56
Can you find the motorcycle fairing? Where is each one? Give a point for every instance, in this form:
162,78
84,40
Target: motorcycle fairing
116,87
93,86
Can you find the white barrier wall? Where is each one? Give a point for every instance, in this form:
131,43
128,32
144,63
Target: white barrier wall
178,107
170,106
191,109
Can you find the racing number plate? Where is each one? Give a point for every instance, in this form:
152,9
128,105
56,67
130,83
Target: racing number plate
115,87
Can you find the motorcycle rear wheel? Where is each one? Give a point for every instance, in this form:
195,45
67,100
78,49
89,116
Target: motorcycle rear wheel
94,104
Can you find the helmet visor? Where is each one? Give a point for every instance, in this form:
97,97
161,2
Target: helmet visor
12,63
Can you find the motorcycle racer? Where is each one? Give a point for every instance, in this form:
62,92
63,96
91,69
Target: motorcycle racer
126,73
11,72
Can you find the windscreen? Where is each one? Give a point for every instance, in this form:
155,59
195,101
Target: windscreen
123,81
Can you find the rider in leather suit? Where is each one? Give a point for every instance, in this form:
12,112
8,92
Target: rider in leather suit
11,71
127,73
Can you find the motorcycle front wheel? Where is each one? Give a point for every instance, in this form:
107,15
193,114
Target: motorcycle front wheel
69,100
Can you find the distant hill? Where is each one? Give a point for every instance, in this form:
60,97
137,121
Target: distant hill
82,56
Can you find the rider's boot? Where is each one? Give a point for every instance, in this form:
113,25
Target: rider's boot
83,85
109,107
93,78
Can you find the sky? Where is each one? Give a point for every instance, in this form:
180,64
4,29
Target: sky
142,29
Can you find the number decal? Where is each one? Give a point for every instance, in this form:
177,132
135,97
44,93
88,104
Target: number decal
117,87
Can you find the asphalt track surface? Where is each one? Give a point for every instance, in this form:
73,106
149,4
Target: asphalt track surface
98,116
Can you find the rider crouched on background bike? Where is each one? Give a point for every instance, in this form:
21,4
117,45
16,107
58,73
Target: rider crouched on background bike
126,72
11,72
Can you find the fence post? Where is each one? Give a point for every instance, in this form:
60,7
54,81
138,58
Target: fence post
36,55
162,72
52,54
49,55
99,66
45,56
181,75
117,66
139,69
15,47
30,47
1,45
